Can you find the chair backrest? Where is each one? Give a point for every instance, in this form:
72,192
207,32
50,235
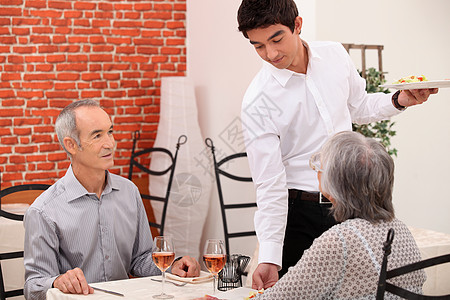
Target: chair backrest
223,207
384,286
134,162
17,217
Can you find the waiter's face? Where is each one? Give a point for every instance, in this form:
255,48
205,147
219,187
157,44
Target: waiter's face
278,45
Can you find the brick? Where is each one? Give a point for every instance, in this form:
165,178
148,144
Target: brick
24,140
179,7
15,168
68,76
11,11
123,6
104,15
56,58
47,49
5,122
115,94
82,23
170,51
125,32
144,102
64,95
97,39
100,58
148,50
175,42
5,21
59,39
41,85
34,59
65,85
30,94
63,30
26,121
91,94
167,67
86,31
175,24
22,131
41,139
179,16
118,41
49,147
148,41
59,103
90,76
154,24
25,149
132,15
73,14
60,4
103,48
37,39
127,119
151,33
70,48
63,165
44,68
111,76
132,24
99,85
45,166
11,112
19,31
35,3
126,50
150,74
81,5
41,175
12,102
61,22
17,159
35,158
38,76
5,131
81,67
44,129
15,59
11,176
42,30
57,156
162,6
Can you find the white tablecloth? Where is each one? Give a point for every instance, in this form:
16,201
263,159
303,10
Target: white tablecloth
145,288
12,236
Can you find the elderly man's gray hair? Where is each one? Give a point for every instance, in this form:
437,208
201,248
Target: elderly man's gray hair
66,123
359,175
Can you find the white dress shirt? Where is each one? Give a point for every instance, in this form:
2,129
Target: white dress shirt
286,117
67,227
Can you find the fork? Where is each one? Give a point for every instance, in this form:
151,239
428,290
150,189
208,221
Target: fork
174,283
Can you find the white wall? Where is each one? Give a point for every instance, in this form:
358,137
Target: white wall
416,39
222,63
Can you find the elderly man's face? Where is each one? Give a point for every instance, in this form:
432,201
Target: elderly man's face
96,137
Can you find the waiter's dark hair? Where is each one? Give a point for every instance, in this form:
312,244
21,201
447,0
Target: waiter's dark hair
254,14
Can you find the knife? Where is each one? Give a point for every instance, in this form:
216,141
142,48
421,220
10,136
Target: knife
107,291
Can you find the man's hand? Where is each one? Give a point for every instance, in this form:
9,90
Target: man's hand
414,97
73,282
186,267
265,276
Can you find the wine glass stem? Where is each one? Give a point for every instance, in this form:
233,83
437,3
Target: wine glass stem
163,281
214,284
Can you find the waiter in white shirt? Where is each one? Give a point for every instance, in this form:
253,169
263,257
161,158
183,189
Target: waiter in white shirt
304,93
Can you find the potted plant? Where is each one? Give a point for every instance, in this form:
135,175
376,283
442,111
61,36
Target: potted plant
382,130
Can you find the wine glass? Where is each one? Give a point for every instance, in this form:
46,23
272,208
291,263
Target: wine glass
163,255
214,258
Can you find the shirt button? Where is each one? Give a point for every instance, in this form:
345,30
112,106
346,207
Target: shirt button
104,229
106,257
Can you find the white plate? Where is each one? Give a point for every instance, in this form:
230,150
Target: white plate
419,85
204,276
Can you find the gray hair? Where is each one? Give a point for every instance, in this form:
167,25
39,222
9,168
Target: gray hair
66,123
359,175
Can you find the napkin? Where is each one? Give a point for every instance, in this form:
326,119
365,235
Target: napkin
204,276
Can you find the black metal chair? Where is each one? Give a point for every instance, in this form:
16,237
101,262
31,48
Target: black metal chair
182,139
224,207
384,286
17,217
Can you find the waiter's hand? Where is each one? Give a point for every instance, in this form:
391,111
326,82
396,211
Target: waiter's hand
414,97
73,282
186,267
265,276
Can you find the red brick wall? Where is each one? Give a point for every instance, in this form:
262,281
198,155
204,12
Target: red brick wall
56,52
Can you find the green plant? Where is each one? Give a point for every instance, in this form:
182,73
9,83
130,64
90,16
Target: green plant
381,131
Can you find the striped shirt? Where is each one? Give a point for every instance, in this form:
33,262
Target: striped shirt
68,227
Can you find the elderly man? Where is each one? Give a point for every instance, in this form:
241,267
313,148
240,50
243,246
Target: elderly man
90,226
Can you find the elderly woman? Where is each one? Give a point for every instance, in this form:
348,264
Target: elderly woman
356,174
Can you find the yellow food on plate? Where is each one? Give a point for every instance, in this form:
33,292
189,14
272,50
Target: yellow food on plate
253,294
411,78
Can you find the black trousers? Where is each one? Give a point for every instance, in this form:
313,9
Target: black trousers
306,221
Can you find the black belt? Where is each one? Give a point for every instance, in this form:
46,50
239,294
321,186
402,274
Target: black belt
307,196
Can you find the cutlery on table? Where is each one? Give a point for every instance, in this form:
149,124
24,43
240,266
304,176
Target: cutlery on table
107,291
174,283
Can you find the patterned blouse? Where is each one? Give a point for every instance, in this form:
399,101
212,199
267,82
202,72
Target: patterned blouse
345,263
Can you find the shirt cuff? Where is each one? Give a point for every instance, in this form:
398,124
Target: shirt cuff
388,107
48,284
270,252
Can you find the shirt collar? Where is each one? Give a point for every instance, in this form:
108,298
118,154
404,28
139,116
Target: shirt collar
74,189
283,75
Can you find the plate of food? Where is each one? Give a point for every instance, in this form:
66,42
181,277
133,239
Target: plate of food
417,82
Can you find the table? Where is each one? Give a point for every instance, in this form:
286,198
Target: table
430,243
145,288
12,235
